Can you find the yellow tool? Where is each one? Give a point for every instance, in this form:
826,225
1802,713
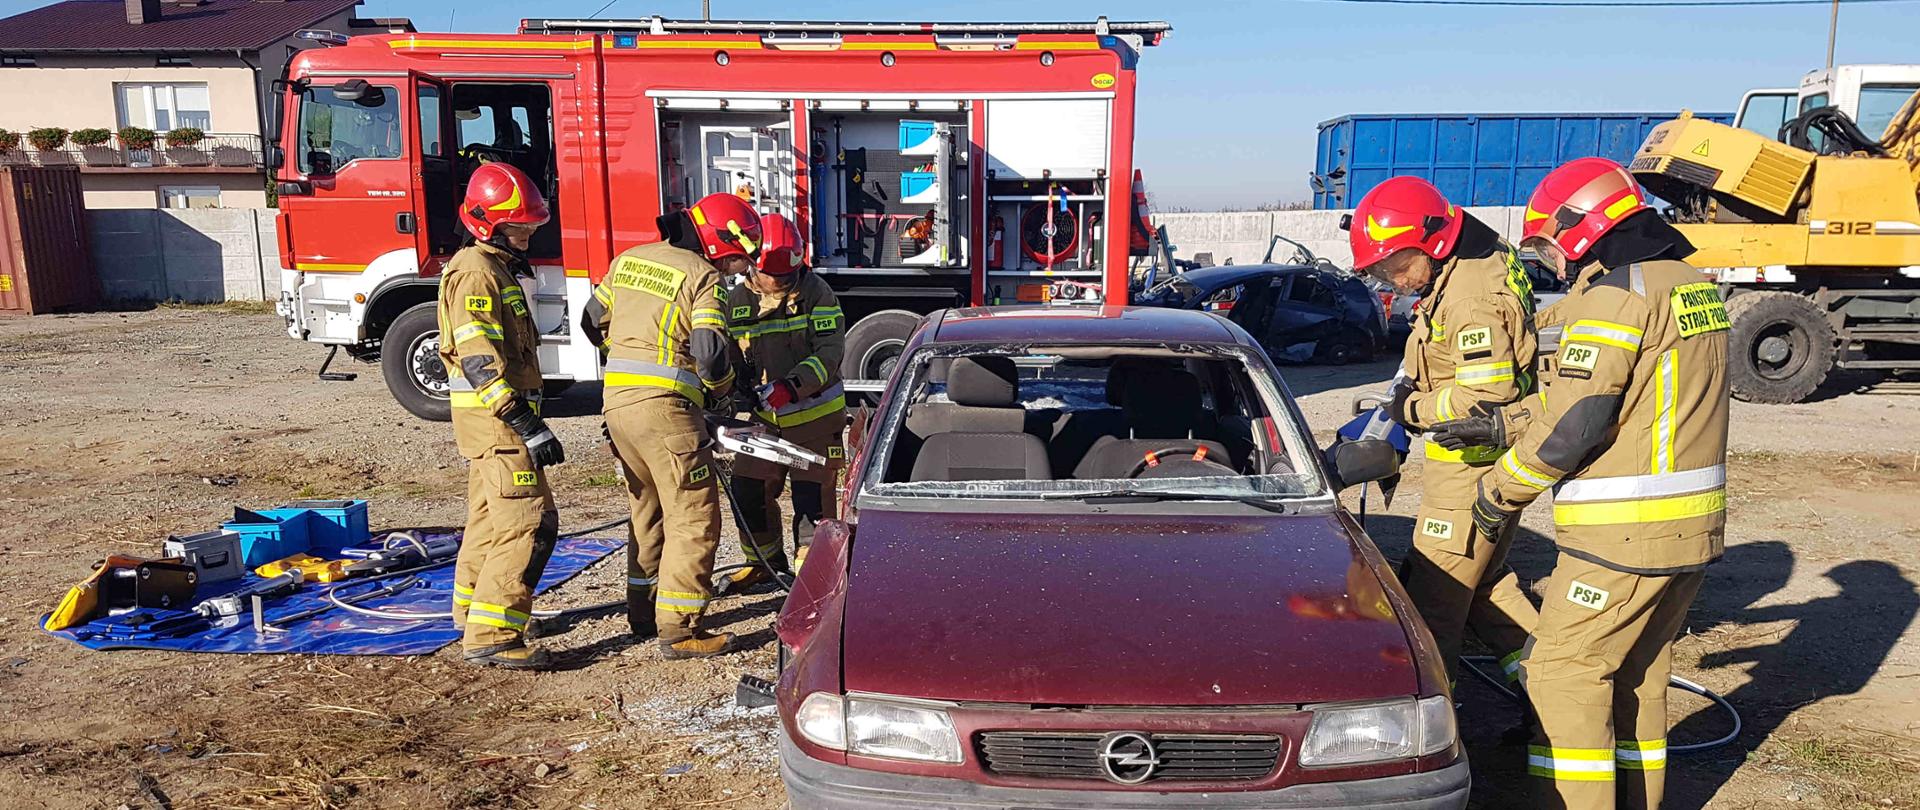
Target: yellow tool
310,568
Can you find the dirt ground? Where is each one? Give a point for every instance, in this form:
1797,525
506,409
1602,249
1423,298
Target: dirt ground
121,428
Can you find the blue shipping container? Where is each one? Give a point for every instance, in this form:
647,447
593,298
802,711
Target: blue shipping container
1476,159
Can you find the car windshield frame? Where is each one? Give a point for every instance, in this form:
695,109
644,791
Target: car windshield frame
1179,285
1305,488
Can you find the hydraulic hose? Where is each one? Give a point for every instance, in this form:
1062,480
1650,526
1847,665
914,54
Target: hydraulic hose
1473,665
740,521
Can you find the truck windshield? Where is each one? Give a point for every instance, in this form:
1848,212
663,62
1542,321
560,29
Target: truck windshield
1879,103
1167,425
335,131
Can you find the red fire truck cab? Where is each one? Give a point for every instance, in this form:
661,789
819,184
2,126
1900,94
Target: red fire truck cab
930,164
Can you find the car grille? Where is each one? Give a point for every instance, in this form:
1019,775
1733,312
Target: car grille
1068,755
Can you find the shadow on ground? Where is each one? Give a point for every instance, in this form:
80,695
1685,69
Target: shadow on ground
1835,645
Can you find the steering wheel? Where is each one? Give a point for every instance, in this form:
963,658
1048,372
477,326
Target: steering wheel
1181,459
494,154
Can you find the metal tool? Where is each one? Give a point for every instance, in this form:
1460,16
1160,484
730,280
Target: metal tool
236,603
748,441
405,549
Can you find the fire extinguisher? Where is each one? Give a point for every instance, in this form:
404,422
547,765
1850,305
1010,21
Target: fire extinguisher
996,241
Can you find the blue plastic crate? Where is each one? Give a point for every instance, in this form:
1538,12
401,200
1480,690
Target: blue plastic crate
916,138
334,524
269,534
918,187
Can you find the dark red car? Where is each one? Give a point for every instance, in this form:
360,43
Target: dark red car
1091,558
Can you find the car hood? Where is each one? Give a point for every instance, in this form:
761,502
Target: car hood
1118,609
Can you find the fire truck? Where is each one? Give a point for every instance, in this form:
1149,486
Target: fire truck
931,165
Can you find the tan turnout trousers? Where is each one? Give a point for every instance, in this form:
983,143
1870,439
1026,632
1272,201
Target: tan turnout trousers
663,448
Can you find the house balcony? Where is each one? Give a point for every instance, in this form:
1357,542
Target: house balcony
218,152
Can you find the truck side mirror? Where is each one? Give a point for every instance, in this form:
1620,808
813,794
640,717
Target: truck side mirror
360,92
1362,460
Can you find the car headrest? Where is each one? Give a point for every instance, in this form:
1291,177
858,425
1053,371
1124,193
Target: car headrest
1117,376
1160,403
983,382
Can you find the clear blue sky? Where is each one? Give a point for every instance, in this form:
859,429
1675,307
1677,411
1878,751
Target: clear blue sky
1228,104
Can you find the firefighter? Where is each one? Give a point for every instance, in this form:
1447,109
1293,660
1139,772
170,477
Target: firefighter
1632,437
491,350
657,316
1471,349
788,324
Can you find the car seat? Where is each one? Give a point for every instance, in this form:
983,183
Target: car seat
1162,407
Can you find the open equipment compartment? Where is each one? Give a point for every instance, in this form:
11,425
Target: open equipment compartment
1047,188
711,147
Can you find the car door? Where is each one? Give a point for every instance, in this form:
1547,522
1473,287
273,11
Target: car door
1305,310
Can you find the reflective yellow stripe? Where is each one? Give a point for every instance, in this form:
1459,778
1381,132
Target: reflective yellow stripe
679,601
1665,390
709,321
1640,755
1653,510
772,327
474,329
1511,664
494,392
1443,406
1605,333
1570,764
714,385
1483,373
616,379
663,337
818,368
462,596
497,616
802,417
1523,473
1465,455
466,399
603,294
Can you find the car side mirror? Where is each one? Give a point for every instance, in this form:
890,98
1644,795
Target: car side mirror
1362,460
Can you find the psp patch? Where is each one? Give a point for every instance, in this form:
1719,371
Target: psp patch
836,451
1476,339
1437,528
479,303
699,474
1578,359
1587,596
1697,309
742,313
525,478
826,323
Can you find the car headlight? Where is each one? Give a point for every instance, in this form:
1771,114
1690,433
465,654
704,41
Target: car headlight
878,728
1378,732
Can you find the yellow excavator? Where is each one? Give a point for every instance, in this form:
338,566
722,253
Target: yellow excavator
1814,237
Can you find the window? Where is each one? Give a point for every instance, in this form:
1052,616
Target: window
430,120
17,61
1809,104
1764,113
161,107
1879,103
335,131
173,61
1308,290
189,197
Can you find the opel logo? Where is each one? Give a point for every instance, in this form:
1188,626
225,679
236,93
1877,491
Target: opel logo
1128,758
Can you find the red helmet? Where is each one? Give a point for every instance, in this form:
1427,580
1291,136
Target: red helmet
1401,213
727,226
1577,203
499,193
784,251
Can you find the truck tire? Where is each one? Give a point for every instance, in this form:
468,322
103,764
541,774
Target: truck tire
1350,346
410,362
875,343
1780,349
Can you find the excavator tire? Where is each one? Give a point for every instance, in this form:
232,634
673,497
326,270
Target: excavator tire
1781,347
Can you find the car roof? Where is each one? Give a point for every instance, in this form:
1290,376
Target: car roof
1076,324
1222,275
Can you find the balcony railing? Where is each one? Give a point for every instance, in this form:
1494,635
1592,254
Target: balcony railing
218,150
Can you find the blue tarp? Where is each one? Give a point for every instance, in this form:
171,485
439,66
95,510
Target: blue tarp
334,632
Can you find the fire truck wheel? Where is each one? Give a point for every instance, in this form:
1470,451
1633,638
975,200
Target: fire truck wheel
410,362
874,344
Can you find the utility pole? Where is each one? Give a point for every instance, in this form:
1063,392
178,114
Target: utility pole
706,13
1833,28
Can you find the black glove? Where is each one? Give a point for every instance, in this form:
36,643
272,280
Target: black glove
1481,430
1489,518
542,446
1397,406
